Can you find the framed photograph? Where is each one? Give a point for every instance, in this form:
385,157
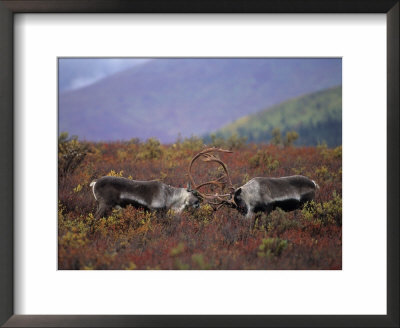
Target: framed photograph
124,182
182,164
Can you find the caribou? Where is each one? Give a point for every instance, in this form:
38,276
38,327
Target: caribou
266,194
151,195
260,194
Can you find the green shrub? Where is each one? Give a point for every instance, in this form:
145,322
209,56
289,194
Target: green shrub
325,213
290,138
233,142
151,149
204,213
71,153
199,261
323,174
278,221
262,158
271,247
276,137
330,154
179,249
193,143
217,142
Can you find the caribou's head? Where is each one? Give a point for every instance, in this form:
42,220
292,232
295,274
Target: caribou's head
239,201
193,198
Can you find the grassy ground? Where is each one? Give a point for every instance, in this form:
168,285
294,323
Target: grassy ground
131,238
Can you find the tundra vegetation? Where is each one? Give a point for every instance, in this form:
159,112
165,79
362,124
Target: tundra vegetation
131,238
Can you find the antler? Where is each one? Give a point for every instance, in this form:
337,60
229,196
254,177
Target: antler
209,158
213,199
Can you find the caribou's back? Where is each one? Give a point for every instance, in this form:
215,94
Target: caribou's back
266,194
116,189
152,195
293,186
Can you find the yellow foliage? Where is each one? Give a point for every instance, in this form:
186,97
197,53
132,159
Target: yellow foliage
199,261
74,239
78,188
130,266
112,173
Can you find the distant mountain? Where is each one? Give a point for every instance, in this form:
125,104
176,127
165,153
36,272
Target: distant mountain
165,97
316,117
75,73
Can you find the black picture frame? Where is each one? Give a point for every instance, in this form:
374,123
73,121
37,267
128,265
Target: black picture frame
11,7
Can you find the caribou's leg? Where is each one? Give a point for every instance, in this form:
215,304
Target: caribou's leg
102,209
251,217
253,220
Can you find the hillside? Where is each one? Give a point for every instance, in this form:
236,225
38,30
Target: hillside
316,117
165,97
74,73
